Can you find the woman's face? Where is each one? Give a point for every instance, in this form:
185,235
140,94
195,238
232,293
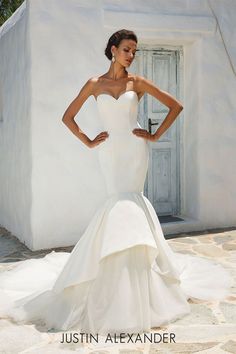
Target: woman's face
125,53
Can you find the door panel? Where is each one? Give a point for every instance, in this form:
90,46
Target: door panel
162,185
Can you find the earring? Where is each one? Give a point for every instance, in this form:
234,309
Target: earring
113,58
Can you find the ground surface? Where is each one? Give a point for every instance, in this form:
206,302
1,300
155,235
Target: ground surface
210,328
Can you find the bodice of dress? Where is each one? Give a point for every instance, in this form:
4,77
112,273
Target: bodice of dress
123,156
118,115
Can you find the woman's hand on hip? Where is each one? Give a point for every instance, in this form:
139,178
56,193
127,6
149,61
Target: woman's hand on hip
143,133
98,139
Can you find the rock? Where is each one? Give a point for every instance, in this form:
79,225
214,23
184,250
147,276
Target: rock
15,338
210,250
229,311
187,348
198,332
200,314
179,246
187,252
205,240
229,246
185,240
229,346
224,238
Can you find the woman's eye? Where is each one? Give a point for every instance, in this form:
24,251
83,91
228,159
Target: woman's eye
126,50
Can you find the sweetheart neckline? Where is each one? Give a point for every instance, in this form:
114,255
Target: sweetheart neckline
116,99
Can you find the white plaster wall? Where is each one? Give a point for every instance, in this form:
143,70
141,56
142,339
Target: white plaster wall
67,41
15,127
67,186
217,131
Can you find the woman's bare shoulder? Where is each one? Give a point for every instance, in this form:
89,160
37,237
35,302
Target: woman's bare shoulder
142,83
94,81
138,79
91,85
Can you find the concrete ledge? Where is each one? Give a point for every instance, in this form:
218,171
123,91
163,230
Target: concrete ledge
187,225
192,225
157,22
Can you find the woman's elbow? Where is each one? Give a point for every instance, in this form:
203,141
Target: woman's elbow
179,106
66,118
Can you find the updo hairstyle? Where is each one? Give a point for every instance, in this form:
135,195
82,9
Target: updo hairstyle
116,38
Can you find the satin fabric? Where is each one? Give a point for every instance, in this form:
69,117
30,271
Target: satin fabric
121,276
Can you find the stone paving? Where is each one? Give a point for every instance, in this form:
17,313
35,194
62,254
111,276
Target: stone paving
209,328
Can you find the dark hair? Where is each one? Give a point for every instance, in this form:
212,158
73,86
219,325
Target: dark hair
116,38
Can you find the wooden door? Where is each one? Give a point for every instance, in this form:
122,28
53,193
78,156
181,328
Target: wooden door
162,185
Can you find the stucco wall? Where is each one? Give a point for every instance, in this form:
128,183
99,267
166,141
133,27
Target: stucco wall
15,127
217,126
67,187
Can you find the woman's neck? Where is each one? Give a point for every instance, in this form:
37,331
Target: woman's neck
116,72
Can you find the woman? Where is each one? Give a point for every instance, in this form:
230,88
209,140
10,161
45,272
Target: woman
121,48
121,276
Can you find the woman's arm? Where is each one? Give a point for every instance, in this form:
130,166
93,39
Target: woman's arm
73,109
172,103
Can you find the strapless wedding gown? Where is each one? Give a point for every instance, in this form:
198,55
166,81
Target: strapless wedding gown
121,276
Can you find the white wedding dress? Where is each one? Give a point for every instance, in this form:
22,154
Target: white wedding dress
121,276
